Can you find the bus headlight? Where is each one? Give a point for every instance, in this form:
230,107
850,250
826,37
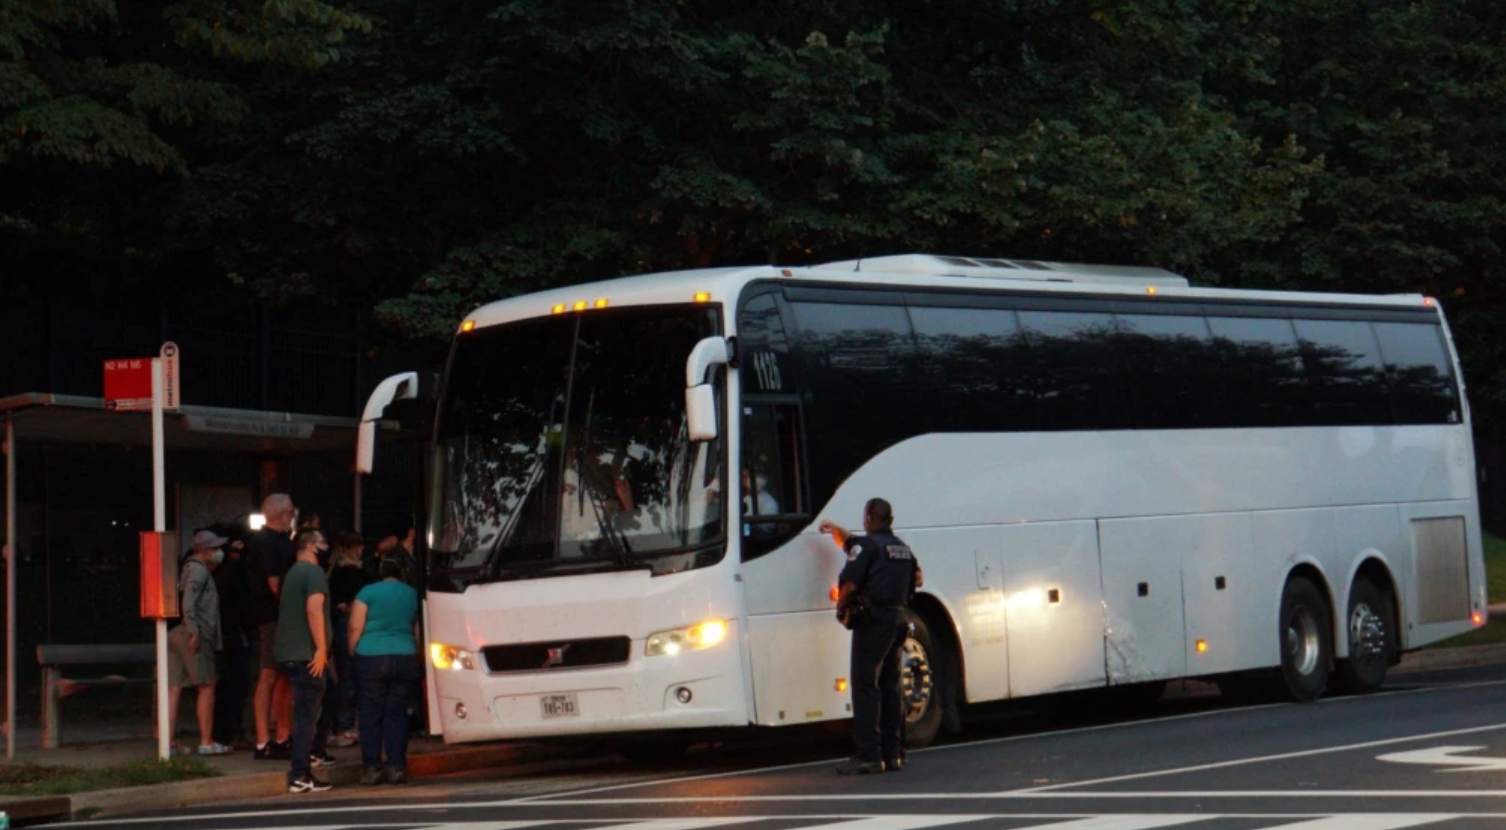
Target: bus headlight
703,635
450,657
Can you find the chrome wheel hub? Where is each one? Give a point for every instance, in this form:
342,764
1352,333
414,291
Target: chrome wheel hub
1367,633
914,680
1303,640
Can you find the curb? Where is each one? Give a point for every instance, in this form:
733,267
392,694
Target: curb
1451,658
248,787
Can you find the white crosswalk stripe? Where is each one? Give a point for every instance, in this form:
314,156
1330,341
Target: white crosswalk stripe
1365,821
896,822
1121,822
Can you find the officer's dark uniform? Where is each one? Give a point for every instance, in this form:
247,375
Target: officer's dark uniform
883,567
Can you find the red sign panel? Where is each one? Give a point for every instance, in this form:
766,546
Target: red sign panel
128,384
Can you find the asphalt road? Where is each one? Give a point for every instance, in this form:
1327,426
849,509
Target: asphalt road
1430,751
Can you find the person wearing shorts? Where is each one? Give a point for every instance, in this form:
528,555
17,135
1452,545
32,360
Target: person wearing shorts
192,644
269,555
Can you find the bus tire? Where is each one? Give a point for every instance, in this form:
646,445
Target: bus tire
1306,632
1371,628
922,682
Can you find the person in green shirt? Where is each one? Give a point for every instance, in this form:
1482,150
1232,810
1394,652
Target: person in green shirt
302,652
384,639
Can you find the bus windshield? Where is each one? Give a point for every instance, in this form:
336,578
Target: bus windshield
562,448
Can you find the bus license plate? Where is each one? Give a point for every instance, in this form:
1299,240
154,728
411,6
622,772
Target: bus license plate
559,706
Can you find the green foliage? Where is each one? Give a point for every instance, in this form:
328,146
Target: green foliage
423,158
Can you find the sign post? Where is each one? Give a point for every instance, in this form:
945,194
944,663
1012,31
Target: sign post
159,524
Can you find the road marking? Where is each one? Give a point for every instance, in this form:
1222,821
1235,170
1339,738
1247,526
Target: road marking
1012,796
887,822
1444,756
1122,822
1366,821
991,741
1262,758
685,779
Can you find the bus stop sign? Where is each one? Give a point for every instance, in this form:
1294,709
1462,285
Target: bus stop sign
128,384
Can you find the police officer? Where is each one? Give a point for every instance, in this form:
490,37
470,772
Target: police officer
875,586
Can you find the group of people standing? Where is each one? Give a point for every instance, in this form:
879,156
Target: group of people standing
336,645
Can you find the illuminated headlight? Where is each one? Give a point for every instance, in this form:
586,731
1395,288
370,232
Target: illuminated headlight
450,657
704,635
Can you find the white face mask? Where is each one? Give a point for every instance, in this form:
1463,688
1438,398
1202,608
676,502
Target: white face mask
217,557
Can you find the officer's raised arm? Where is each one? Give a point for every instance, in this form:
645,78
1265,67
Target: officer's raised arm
838,534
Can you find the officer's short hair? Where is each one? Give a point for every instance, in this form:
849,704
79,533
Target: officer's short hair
879,511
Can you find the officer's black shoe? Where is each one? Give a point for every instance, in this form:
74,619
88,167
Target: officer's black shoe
894,764
860,768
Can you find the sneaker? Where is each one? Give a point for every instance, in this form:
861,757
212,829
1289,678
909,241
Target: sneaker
344,739
308,784
860,768
371,776
894,764
397,775
214,749
321,759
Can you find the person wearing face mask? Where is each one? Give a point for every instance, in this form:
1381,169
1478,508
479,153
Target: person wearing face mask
192,645
302,652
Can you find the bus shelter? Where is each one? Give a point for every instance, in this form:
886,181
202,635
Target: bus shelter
78,491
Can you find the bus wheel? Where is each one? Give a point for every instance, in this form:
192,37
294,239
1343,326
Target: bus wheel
1306,641
1371,631
921,681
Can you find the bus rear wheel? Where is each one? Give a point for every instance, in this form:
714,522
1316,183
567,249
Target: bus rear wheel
1306,633
922,678
1371,629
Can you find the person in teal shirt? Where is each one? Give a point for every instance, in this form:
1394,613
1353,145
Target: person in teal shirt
384,641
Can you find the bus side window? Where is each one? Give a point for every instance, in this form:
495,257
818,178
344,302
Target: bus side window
774,504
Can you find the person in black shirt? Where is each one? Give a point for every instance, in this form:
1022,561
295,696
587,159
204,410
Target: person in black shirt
874,589
269,555
234,585
346,579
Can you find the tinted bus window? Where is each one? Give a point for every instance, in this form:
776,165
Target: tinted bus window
765,350
1419,372
1170,365
1262,369
1345,384
974,368
858,367
1075,370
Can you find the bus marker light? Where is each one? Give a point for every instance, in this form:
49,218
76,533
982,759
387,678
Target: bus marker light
703,296
600,302
580,305
841,684
1202,646
835,594
1476,618
1428,301
1151,290
559,308
468,325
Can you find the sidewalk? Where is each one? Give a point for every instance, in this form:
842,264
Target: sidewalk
242,776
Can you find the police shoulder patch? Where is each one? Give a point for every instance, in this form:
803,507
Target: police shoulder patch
853,552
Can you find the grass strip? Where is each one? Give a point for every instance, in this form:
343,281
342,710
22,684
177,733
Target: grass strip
39,780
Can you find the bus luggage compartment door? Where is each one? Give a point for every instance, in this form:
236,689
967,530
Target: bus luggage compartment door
1144,626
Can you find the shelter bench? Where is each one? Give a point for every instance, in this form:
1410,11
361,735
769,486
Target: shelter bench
53,657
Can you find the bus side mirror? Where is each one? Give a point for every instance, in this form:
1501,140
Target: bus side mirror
700,412
700,397
406,386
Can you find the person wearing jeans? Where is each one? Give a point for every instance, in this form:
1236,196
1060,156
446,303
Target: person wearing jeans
302,653
384,640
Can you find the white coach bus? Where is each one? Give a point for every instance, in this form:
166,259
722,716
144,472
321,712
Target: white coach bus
1111,478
